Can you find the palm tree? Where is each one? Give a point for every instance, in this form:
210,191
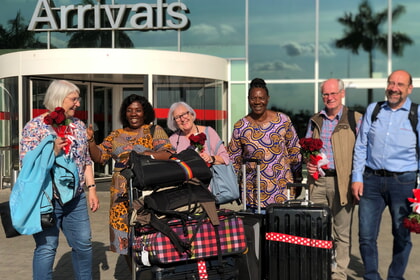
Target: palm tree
17,35
363,31
95,38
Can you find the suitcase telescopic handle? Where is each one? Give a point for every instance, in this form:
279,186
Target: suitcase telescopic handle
306,200
257,179
257,160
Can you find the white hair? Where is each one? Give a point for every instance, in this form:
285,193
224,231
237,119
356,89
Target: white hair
171,122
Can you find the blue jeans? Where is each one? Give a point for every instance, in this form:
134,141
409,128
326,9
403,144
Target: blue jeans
379,192
73,219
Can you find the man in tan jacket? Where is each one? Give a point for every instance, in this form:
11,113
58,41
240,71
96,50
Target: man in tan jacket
336,126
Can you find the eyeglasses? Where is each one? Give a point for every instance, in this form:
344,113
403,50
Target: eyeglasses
332,94
181,116
75,99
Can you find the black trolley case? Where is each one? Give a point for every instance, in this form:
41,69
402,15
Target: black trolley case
217,268
250,265
298,240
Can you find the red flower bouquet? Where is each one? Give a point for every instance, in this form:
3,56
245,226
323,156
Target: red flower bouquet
310,150
412,222
197,141
61,125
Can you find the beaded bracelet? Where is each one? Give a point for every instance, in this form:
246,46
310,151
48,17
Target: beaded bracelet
91,186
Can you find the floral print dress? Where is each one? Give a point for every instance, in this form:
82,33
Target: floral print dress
36,130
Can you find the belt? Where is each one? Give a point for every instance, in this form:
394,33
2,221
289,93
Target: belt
330,172
384,173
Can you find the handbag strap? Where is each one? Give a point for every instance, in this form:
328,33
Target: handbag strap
180,246
210,211
216,149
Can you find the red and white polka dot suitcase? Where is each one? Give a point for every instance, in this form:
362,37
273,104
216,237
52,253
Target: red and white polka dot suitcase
298,240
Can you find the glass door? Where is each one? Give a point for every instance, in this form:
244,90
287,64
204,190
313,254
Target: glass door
102,122
106,102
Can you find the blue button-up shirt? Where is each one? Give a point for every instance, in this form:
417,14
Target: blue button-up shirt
387,143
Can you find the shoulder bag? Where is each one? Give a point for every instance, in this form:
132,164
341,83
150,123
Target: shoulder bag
224,184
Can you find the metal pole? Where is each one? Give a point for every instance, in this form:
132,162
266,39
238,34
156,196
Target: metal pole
244,185
1,169
15,174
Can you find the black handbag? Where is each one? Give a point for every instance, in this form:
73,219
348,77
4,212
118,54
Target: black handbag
47,220
150,174
6,220
167,203
169,200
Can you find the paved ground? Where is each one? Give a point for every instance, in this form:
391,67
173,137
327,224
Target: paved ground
16,253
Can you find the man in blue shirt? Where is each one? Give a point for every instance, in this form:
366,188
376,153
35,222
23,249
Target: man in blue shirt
385,165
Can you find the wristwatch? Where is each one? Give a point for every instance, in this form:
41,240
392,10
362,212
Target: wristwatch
212,159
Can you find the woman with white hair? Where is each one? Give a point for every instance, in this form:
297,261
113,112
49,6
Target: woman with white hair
181,120
59,136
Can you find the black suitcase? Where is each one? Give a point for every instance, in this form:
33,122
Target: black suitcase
215,270
250,264
298,240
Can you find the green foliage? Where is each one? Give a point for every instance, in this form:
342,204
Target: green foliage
17,35
97,38
299,120
363,30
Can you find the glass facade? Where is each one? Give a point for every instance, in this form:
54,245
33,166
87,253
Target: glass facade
281,39
279,35
277,40
206,96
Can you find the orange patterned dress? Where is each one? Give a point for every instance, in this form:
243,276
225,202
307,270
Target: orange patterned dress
118,145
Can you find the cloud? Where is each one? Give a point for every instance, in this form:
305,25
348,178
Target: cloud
226,29
277,66
295,49
204,30
210,31
326,50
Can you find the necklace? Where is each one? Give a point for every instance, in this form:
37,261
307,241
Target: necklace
177,141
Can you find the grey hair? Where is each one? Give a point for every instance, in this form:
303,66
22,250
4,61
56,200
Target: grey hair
171,122
339,81
57,91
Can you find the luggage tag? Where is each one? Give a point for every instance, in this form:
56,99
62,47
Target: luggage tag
145,258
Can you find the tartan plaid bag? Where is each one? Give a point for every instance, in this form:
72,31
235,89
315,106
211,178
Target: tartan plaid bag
153,247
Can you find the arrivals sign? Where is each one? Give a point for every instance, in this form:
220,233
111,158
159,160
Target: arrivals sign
140,16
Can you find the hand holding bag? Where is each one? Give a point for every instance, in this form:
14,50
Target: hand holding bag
224,184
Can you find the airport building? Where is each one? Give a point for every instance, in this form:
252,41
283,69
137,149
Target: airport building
201,52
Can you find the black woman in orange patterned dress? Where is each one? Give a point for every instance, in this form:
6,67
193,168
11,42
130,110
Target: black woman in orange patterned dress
136,116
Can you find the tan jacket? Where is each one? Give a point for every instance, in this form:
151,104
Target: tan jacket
343,140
